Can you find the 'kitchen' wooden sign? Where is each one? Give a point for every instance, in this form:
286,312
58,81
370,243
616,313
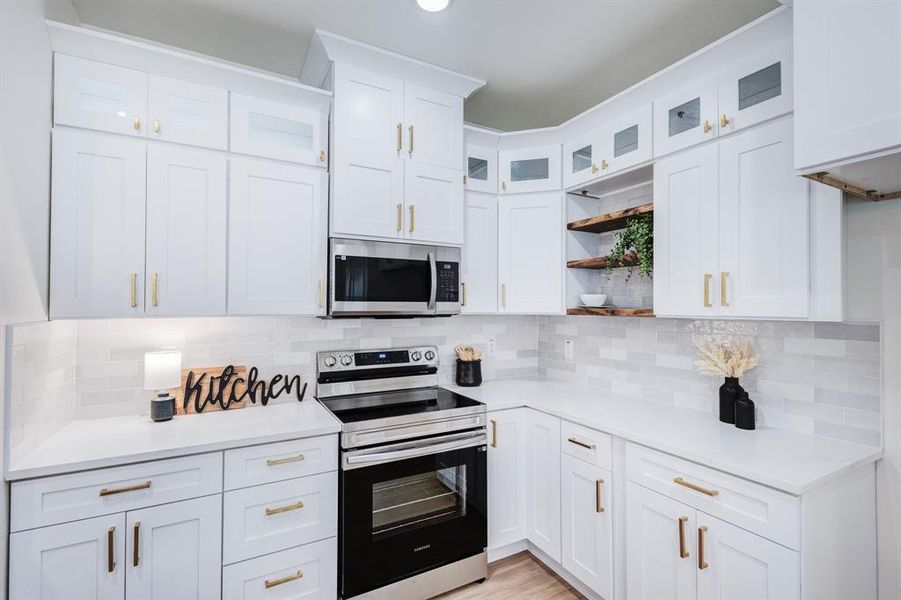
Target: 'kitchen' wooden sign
225,388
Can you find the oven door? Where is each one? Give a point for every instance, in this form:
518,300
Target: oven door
410,507
381,278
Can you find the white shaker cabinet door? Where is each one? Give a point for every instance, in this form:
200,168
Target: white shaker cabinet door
479,278
587,524
529,169
739,564
847,79
685,233
530,261
661,556
97,225
277,130
543,482
507,492
187,113
628,140
480,168
582,158
369,114
82,559
756,88
95,95
276,245
434,204
308,572
434,122
367,195
173,551
685,117
186,231
764,226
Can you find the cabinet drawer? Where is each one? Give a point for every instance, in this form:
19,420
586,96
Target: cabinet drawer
309,572
276,516
759,509
268,463
587,444
49,500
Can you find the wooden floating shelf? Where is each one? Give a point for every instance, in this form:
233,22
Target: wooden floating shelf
601,262
608,311
610,221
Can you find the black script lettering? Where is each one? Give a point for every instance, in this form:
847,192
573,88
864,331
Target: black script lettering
193,389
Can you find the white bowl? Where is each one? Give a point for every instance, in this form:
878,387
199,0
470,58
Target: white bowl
593,299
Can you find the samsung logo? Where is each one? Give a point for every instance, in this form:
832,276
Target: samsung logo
421,548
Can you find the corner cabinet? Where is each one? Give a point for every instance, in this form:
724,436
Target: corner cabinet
480,167
507,492
529,170
543,482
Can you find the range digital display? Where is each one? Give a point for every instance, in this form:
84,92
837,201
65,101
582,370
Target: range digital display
391,357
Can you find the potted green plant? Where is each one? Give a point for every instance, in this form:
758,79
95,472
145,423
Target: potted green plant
636,238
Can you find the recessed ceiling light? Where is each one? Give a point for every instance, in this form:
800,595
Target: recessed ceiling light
433,5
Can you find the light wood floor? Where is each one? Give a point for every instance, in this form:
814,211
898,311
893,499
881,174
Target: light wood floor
517,577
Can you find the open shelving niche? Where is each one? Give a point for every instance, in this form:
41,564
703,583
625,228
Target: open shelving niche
594,212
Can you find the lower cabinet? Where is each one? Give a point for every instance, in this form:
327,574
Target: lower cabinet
507,494
587,524
308,572
543,483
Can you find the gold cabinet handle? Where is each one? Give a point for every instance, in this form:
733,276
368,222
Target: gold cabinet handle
463,293
322,156
273,462
707,127
707,278
594,168
683,552
465,180
411,140
321,293
400,216
598,507
134,291
582,444
136,123
124,490
695,487
400,137
503,295
412,217
724,300
724,120
702,564
156,126
283,509
136,557
504,185
604,165
111,549
155,289
494,434
270,583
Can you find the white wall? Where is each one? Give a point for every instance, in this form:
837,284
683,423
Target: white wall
874,292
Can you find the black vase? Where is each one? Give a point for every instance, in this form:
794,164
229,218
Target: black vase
729,392
469,373
744,412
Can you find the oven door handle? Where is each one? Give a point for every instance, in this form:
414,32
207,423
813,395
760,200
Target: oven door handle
355,461
433,291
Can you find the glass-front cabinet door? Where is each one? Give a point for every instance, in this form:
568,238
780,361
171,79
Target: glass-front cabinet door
187,113
685,117
581,158
276,130
757,88
627,141
529,169
480,169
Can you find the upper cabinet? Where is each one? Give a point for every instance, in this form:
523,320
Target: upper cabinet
187,113
478,282
685,117
276,130
434,126
529,170
581,156
480,169
756,88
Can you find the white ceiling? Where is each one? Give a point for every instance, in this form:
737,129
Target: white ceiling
545,60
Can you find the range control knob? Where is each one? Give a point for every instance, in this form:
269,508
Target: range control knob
346,360
330,361
429,355
416,355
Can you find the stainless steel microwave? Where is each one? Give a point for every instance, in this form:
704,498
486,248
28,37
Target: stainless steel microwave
392,279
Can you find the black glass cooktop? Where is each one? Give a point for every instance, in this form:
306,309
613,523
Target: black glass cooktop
401,403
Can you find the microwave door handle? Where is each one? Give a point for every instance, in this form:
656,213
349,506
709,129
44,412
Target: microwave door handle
433,268
353,462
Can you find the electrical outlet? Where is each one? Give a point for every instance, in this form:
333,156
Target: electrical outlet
568,352
490,351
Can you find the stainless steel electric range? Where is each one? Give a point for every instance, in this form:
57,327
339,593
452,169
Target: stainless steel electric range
413,482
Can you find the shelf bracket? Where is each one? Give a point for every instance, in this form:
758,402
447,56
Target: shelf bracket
849,188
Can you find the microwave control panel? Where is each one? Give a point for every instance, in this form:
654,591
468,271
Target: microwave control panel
448,282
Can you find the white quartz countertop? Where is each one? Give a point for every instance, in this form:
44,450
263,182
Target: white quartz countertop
785,460
96,443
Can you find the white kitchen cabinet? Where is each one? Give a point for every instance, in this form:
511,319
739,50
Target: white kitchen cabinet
97,225
847,79
187,113
543,482
628,140
739,564
661,556
434,126
530,248
582,158
587,523
480,168
174,551
276,130
686,233
764,226
186,231
367,195
82,559
307,572
507,492
529,169
756,88
434,204
685,117
277,238
95,95
478,281
369,114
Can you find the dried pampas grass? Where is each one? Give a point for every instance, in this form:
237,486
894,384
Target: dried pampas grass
719,358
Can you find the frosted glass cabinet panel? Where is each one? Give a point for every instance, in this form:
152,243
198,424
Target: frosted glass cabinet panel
628,140
685,117
530,170
276,130
99,96
756,89
187,113
581,158
480,169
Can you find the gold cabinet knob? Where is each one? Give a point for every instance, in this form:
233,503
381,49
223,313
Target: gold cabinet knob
322,156
707,127
724,120
156,126
594,169
136,123
604,165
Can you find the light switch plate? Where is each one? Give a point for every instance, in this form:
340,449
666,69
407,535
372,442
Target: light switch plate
568,352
